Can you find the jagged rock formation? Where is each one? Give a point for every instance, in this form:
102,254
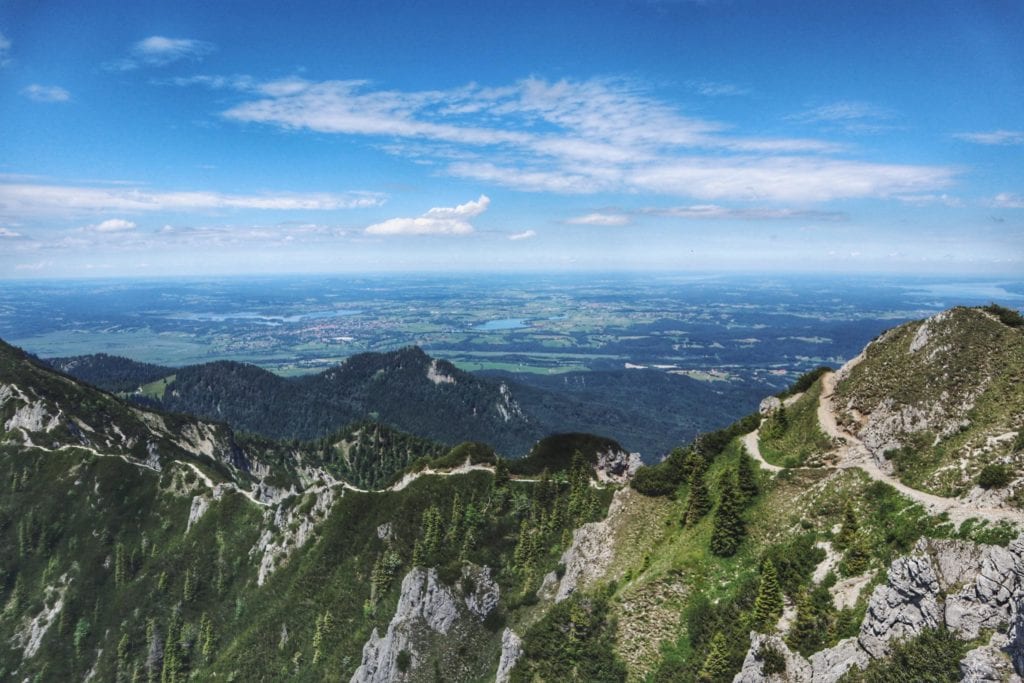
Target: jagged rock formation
431,618
968,588
588,557
617,466
511,651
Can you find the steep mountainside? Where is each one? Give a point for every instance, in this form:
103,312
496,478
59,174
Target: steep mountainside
714,565
648,412
938,401
134,551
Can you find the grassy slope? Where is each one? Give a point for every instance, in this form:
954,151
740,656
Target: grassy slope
802,439
967,350
667,570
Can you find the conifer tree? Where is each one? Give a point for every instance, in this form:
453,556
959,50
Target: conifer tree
431,532
79,636
729,528
716,665
502,476
848,530
698,503
122,657
805,636
318,640
746,477
545,491
120,565
191,584
857,556
172,666
768,605
206,636
453,536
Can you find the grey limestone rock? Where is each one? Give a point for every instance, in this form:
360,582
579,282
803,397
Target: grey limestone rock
511,651
988,664
903,607
832,664
425,604
797,668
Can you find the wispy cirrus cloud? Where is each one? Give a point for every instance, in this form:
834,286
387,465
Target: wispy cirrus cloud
438,221
160,51
8,233
930,199
601,218
756,213
1008,200
714,89
5,50
849,116
46,93
114,225
36,199
994,137
599,135
524,235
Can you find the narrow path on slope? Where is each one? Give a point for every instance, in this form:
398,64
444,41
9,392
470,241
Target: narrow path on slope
851,452
752,441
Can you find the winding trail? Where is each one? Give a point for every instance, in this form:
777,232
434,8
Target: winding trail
851,452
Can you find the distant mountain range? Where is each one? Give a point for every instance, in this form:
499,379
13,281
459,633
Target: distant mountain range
647,411
863,526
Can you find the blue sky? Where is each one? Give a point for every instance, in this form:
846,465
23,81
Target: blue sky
187,138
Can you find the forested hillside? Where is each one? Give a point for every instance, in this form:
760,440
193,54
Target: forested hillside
139,545
649,412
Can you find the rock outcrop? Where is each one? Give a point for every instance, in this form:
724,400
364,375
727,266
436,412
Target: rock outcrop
427,609
617,466
588,557
967,588
511,651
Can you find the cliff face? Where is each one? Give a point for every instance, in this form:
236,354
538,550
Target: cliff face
969,589
433,629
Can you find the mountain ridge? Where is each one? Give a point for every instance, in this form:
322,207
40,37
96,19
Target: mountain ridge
647,411
705,567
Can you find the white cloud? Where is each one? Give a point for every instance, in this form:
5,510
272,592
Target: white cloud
5,49
1008,200
927,199
46,93
38,265
713,89
781,178
852,117
716,212
114,225
5,232
586,137
24,198
599,218
995,137
160,51
437,221
524,235
842,111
